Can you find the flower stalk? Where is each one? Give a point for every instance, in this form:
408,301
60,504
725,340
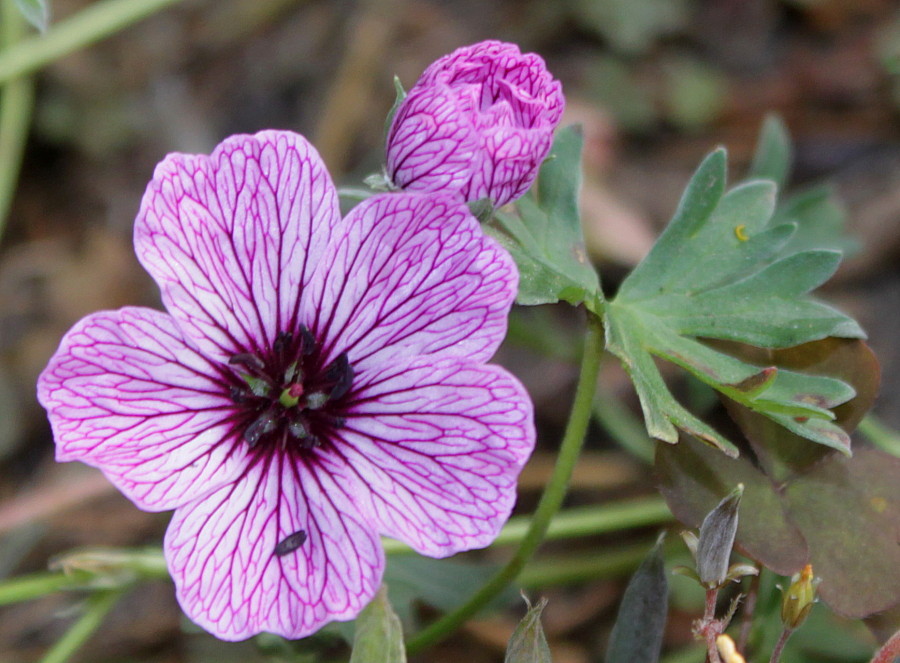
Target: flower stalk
551,500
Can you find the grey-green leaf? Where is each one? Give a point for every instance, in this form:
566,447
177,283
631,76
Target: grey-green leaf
36,12
772,160
379,635
637,634
722,270
544,237
528,644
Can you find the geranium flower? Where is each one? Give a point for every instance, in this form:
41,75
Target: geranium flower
479,121
316,382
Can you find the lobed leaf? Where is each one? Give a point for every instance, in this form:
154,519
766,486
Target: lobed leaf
720,270
544,237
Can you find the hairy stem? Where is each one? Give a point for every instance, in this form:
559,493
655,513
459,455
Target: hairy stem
551,500
711,628
779,646
90,25
98,606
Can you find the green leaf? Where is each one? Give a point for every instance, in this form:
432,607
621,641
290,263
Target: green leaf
772,160
637,634
840,514
379,636
778,450
719,271
544,237
528,644
36,12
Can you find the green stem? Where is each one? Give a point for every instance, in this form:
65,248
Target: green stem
90,25
98,605
883,437
550,502
15,111
36,585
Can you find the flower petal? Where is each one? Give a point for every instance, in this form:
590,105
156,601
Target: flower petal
233,238
432,143
221,552
410,274
125,394
512,158
437,446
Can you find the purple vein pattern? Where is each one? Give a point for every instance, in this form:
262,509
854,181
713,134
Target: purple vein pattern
479,121
315,383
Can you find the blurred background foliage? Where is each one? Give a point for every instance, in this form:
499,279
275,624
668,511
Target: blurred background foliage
655,83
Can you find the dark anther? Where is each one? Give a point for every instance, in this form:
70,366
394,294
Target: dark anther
340,374
265,423
298,429
237,394
290,543
307,340
248,360
282,343
310,442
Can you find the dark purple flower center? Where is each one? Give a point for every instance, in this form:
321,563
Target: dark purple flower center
287,399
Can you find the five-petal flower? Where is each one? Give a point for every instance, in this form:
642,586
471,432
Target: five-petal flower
317,381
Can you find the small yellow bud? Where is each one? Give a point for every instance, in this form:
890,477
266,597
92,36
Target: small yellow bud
727,650
799,598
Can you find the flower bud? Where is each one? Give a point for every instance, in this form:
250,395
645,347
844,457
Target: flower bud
799,598
479,121
716,540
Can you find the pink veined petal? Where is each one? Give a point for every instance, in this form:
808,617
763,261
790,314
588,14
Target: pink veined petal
510,165
410,274
437,446
233,238
124,393
432,142
221,553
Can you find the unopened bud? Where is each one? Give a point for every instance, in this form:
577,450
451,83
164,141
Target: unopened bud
799,598
727,650
716,540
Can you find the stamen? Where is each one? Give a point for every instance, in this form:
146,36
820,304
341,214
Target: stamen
307,341
265,423
340,374
298,429
290,543
316,400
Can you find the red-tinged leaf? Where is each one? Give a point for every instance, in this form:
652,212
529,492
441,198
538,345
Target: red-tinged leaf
849,512
693,477
780,451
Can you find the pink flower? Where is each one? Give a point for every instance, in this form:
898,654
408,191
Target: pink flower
316,382
479,121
